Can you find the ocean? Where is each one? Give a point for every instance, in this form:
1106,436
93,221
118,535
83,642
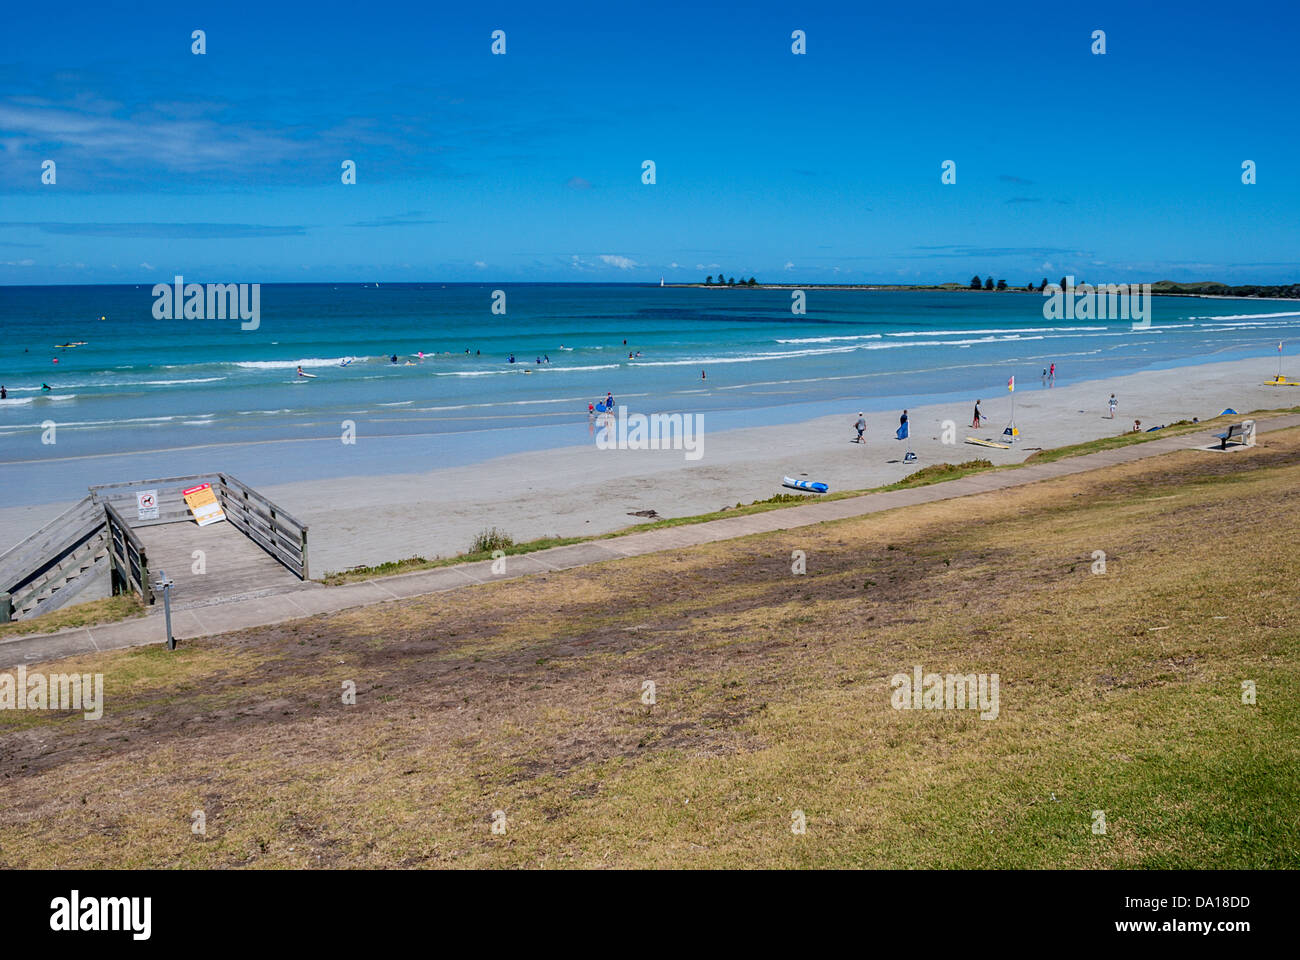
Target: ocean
146,397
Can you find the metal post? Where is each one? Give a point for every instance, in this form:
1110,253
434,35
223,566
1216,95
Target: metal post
165,585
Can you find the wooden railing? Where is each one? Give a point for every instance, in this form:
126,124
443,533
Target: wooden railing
272,528
51,558
171,504
39,563
130,563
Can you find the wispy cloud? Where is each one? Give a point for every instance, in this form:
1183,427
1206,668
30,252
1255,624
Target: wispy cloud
164,231
414,218
152,139
955,250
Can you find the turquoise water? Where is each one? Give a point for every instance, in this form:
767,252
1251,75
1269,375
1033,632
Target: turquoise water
147,387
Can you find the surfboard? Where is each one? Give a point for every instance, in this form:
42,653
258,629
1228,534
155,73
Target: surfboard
312,375
988,443
810,485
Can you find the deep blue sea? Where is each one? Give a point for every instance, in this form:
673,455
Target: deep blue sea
138,384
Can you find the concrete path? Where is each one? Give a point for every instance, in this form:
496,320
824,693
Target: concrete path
256,611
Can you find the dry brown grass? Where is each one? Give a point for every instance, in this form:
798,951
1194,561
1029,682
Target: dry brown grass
1119,692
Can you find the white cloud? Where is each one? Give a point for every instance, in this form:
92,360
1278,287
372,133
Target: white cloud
789,265
480,264
623,263
147,266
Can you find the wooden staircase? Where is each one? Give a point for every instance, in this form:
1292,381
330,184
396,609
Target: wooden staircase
262,550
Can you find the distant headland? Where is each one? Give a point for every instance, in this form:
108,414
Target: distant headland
1168,288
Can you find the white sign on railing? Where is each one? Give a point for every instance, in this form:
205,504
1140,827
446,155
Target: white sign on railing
146,504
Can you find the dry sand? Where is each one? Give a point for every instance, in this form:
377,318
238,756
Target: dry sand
577,491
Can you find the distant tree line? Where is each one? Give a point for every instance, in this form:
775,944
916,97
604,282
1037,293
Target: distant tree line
1164,286
729,281
987,284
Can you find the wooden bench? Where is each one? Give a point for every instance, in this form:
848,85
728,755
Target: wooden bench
1242,433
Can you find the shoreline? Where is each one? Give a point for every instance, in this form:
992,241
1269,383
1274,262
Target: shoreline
373,518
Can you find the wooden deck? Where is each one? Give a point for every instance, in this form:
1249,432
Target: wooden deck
234,566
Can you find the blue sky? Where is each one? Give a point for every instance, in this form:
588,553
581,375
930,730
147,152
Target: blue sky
821,167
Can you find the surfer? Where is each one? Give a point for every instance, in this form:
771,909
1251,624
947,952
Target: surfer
975,421
300,373
45,388
512,358
3,392
393,358
861,426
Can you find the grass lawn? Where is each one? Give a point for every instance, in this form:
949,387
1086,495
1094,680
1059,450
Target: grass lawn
1120,692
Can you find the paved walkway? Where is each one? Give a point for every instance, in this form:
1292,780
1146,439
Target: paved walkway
312,599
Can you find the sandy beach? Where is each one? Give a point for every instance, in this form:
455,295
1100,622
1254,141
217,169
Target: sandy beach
581,490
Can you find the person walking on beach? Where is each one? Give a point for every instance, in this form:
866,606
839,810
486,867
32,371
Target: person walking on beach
1112,403
861,426
1051,374
975,421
